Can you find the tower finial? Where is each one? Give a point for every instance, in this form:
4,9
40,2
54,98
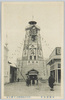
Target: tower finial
32,18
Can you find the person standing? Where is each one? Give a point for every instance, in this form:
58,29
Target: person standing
18,79
33,81
29,81
37,80
51,81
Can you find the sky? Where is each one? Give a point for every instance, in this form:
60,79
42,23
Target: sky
15,18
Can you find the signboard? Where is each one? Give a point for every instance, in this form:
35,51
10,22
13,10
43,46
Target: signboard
32,73
58,51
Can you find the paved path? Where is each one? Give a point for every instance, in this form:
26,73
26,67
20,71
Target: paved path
20,89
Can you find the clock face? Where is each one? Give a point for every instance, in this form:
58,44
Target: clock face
33,30
33,38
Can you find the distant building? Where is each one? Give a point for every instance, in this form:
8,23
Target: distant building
6,66
32,58
13,72
10,70
55,64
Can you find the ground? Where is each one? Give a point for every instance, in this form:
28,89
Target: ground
20,89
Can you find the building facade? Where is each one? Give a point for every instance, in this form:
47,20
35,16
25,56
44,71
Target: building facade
13,72
6,66
10,70
32,58
55,64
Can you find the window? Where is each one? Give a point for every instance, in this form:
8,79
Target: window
30,57
59,65
34,57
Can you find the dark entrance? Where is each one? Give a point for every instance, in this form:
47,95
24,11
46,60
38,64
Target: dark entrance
33,75
13,74
59,76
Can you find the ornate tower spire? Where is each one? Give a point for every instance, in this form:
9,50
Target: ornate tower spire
32,52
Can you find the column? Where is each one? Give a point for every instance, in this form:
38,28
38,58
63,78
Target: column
36,51
57,75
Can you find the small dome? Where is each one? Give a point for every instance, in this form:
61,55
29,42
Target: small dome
32,22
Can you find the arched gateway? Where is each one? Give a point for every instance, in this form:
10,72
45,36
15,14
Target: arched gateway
33,74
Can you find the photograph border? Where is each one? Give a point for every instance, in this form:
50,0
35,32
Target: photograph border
63,53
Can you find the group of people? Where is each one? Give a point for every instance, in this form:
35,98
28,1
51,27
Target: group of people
51,81
30,81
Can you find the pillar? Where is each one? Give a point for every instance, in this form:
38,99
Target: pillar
57,75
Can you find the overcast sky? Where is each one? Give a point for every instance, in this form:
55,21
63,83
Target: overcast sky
49,17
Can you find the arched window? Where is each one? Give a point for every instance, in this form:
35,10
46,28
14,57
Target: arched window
30,57
34,57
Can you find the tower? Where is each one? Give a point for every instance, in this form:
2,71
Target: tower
32,57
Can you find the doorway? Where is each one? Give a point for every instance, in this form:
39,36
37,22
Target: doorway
33,76
33,79
59,76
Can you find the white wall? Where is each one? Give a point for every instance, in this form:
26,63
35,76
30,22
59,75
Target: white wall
48,71
6,66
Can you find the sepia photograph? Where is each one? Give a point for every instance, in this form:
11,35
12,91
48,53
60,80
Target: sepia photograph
32,50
